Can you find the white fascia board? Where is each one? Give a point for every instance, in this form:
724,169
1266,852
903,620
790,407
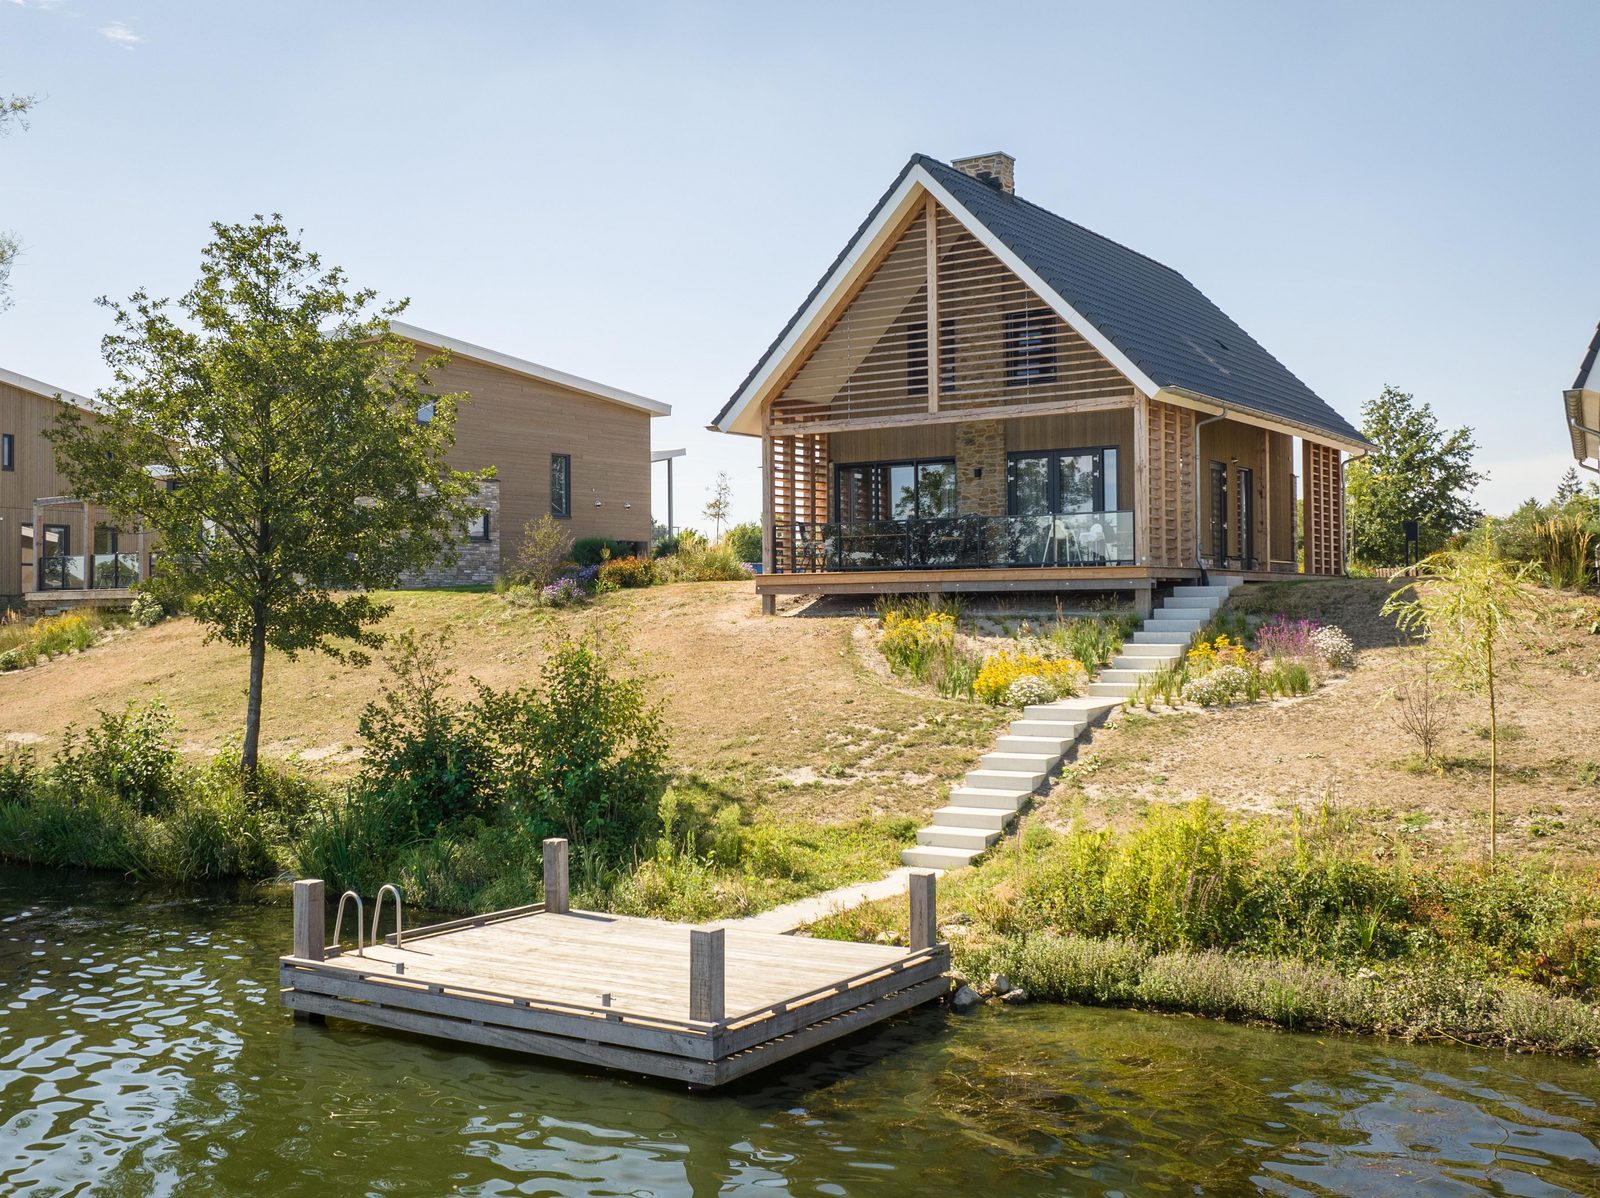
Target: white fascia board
666,455
1211,406
1075,319
23,383
1583,408
742,417
532,370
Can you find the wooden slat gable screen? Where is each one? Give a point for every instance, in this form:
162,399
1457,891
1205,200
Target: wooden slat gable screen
997,345
1323,508
798,482
1172,485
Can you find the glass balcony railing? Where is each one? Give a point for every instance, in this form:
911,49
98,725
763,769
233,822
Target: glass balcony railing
60,572
115,570
959,542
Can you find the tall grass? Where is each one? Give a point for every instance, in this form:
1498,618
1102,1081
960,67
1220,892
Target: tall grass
1564,546
24,640
1093,640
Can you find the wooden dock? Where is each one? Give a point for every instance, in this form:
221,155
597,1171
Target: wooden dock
703,1006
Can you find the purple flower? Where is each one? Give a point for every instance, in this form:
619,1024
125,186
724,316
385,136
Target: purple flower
1283,637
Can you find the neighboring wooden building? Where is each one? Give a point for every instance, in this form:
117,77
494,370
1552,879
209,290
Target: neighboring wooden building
980,395
572,447
563,445
1583,408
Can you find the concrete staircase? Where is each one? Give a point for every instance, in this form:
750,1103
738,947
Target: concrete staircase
985,804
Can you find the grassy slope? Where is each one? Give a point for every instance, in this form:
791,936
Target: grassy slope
777,713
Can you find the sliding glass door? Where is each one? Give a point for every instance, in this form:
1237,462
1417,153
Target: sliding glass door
1062,503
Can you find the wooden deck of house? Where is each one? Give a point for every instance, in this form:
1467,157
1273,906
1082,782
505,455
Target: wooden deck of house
703,1006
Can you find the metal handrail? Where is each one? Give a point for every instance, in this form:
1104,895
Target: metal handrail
338,922
377,911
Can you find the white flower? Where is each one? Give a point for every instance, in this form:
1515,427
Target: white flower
1334,647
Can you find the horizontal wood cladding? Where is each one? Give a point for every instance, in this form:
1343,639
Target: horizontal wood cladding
1170,458
1323,508
893,444
797,491
994,345
515,423
25,416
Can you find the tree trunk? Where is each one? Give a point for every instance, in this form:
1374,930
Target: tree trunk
1494,763
252,711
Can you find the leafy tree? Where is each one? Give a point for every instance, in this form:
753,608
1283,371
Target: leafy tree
545,547
1468,603
271,439
720,505
13,111
1415,471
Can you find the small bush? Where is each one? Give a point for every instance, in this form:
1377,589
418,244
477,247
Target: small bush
697,562
1334,647
627,572
1221,685
147,609
1029,688
591,551
545,545
128,757
1062,675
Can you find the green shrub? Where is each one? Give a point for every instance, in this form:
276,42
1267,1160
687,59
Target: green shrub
744,541
147,609
129,757
583,756
591,551
697,562
1093,640
424,750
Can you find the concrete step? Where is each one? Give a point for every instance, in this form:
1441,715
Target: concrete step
1192,592
1152,636
990,819
1021,763
1066,730
987,779
1113,690
1081,707
957,838
1156,651
1126,675
927,856
1172,625
1144,666
1023,742
1205,603
1001,800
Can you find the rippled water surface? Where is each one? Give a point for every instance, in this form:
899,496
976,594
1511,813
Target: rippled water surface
142,1052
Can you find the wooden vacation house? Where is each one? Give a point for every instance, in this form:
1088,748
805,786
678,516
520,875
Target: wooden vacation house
1583,409
982,396
569,446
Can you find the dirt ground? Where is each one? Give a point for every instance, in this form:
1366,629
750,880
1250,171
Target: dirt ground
1343,744
774,712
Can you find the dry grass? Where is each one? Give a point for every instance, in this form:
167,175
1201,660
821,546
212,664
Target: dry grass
776,713
1345,742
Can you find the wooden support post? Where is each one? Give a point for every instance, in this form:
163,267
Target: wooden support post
924,909
555,876
1142,498
935,357
707,975
310,932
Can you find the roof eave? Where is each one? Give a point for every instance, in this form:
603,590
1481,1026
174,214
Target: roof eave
44,390
1210,404
533,370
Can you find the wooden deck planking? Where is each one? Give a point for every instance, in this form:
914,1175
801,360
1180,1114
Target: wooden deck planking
696,1005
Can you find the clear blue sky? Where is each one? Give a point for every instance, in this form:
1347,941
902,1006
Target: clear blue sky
1385,193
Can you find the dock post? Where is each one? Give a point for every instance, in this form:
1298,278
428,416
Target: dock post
707,965
555,876
310,931
924,909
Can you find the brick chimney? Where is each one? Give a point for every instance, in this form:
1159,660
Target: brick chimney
997,170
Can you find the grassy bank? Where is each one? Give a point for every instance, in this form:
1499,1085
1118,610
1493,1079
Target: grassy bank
1193,910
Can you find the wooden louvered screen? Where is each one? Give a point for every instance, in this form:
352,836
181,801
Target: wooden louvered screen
1170,512
998,345
1323,508
797,481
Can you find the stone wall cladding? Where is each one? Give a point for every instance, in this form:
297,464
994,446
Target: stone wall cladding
999,166
476,562
981,468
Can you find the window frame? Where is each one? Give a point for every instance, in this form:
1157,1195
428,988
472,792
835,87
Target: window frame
483,515
8,451
916,465
563,511
1053,478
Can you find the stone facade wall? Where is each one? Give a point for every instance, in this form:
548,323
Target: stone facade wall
981,468
476,561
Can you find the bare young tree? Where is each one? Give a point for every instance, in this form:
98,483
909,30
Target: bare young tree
1423,708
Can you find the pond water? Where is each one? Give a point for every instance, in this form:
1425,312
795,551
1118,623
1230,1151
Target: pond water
143,1052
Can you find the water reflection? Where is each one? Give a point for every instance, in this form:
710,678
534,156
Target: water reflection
142,1052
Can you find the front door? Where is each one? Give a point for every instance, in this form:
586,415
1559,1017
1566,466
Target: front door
1219,513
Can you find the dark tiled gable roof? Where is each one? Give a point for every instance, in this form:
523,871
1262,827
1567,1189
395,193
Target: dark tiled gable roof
1586,372
1150,312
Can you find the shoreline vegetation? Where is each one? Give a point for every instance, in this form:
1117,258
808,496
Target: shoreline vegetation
1304,923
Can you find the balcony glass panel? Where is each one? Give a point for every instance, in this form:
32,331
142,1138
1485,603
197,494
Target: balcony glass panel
60,572
115,570
963,542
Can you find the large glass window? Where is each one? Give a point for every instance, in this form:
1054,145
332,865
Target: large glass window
561,485
1062,481
895,491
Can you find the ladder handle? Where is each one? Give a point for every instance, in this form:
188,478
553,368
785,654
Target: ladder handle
338,921
377,911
